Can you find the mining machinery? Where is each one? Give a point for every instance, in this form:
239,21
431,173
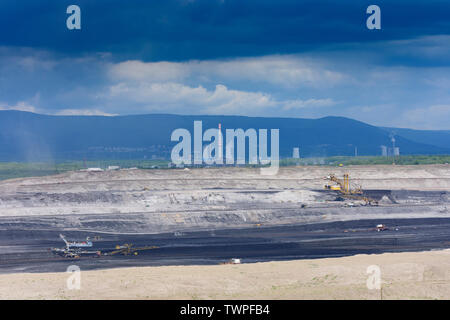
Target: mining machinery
346,190
75,249
128,249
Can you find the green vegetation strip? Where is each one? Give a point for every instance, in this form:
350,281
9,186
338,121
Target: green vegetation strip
369,160
11,170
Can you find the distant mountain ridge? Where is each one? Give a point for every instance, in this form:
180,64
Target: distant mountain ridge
26,136
439,138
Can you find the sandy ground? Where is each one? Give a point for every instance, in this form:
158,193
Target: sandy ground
418,275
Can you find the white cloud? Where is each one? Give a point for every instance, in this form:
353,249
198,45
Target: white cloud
434,46
176,97
434,117
179,98
25,106
287,71
152,71
353,83
182,87
310,103
19,106
281,70
82,112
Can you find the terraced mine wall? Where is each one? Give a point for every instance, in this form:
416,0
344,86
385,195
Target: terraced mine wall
153,201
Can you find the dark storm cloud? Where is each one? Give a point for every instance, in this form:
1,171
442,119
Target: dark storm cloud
266,58
210,29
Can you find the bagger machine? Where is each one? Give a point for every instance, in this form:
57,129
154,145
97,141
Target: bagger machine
128,249
77,249
347,191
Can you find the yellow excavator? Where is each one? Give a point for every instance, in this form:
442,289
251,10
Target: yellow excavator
342,185
128,249
346,191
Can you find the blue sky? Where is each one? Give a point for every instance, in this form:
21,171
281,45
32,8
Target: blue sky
256,58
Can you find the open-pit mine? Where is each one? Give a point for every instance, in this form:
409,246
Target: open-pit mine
212,215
